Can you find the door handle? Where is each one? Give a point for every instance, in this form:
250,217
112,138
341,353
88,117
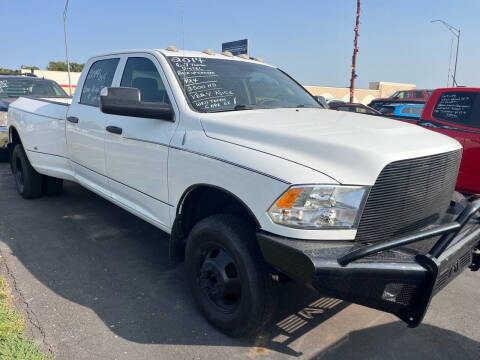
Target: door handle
114,129
73,119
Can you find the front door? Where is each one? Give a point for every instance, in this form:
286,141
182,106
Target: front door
85,128
136,158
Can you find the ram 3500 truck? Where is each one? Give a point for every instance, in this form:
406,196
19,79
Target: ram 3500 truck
255,182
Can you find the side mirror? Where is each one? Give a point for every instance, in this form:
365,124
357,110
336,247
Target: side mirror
126,101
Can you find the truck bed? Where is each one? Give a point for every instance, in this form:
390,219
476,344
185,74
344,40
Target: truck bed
41,123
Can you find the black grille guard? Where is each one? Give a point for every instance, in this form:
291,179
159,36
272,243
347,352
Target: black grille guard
382,276
448,232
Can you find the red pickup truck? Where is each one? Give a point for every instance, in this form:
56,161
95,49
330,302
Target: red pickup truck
456,112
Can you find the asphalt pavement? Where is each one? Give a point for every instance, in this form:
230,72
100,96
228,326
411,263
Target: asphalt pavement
95,282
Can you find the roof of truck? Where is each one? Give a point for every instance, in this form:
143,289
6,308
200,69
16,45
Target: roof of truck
186,53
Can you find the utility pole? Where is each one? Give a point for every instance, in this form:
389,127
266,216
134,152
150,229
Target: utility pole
355,50
66,46
455,32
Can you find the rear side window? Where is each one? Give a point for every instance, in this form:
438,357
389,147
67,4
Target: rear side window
417,110
142,74
99,75
458,107
418,94
386,110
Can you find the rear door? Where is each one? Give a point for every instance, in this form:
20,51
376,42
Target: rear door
85,128
136,159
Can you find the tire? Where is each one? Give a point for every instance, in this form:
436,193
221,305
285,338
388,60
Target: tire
27,179
51,186
228,277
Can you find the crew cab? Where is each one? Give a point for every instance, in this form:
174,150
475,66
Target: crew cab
255,182
456,112
13,86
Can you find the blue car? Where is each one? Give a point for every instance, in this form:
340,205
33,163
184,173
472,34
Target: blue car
409,112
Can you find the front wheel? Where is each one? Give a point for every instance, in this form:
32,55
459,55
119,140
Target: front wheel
27,179
228,277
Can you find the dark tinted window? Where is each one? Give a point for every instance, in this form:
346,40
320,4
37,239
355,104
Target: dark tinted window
418,94
417,110
142,74
99,75
459,107
387,110
30,87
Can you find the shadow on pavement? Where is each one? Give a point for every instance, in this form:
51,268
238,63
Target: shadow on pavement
93,253
396,341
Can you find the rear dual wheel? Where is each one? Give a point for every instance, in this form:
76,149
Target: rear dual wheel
30,184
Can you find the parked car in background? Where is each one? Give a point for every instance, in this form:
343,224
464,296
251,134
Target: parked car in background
456,112
13,86
419,96
358,108
406,112
321,100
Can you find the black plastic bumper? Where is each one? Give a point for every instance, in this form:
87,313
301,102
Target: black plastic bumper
386,276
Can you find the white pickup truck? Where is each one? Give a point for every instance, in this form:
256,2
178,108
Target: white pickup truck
255,182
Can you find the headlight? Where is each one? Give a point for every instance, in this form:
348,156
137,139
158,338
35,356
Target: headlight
3,118
319,207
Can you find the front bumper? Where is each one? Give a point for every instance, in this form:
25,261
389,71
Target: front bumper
3,137
387,276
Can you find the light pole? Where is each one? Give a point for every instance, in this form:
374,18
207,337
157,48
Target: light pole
455,32
66,46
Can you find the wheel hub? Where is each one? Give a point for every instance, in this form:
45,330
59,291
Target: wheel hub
219,279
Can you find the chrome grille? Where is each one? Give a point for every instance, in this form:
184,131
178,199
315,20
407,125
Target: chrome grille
409,195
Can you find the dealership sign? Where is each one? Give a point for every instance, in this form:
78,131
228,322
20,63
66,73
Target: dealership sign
236,47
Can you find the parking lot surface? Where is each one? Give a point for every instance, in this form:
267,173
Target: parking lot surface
95,282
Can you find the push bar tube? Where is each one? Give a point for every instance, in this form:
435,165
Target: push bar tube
449,231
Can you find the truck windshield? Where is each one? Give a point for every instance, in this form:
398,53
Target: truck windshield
30,87
214,85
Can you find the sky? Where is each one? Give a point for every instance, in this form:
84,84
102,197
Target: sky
310,40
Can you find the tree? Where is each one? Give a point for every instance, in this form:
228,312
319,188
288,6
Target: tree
62,66
9,71
30,67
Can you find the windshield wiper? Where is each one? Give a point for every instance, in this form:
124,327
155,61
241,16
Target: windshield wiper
242,107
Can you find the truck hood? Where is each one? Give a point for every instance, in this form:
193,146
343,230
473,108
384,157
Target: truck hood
350,148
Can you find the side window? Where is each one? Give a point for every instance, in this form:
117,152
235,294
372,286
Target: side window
99,76
458,107
142,74
418,94
417,110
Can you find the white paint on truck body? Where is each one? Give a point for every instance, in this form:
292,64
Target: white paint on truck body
255,155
